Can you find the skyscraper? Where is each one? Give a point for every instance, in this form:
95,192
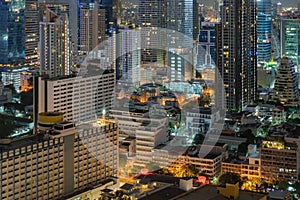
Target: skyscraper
130,54
70,8
12,32
55,45
180,18
286,84
264,31
32,32
92,26
152,16
112,14
236,52
206,46
290,40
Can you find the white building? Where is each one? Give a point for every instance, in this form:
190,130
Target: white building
55,45
12,76
200,119
148,137
129,43
80,98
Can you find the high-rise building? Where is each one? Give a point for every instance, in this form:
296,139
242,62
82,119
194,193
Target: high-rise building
290,40
92,27
206,45
71,9
152,17
279,8
55,45
32,32
81,99
264,31
112,14
180,18
64,161
129,54
286,84
236,53
12,33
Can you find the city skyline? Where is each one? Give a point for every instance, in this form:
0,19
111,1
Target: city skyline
149,99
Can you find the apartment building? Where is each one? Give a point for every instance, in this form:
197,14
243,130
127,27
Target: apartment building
66,160
280,159
80,98
249,168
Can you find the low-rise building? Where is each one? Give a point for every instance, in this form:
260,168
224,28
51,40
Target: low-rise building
280,159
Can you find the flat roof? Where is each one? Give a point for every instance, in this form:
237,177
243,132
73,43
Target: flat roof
209,192
164,194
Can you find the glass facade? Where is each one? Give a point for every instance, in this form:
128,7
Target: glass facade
12,32
290,40
264,31
206,48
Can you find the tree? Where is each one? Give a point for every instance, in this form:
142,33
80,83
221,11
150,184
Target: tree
187,170
27,97
229,178
249,135
6,127
198,138
243,148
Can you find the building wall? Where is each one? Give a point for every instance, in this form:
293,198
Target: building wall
42,168
80,98
279,161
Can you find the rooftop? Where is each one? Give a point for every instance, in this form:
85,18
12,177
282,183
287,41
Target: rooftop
164,194
209,192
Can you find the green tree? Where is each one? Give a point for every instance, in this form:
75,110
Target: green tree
27,97
198,138
188,170
6,127
229,178
243,148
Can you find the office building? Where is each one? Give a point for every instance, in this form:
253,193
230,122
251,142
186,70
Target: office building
279,8
92,27
149,128
12,76
180,18
236,54
12,33
286,84
32,32
173,156
152,17
264,31
290,40
55,45
51,166
81,99
19,33
149,137
112,15
206,46
280,159
129,42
